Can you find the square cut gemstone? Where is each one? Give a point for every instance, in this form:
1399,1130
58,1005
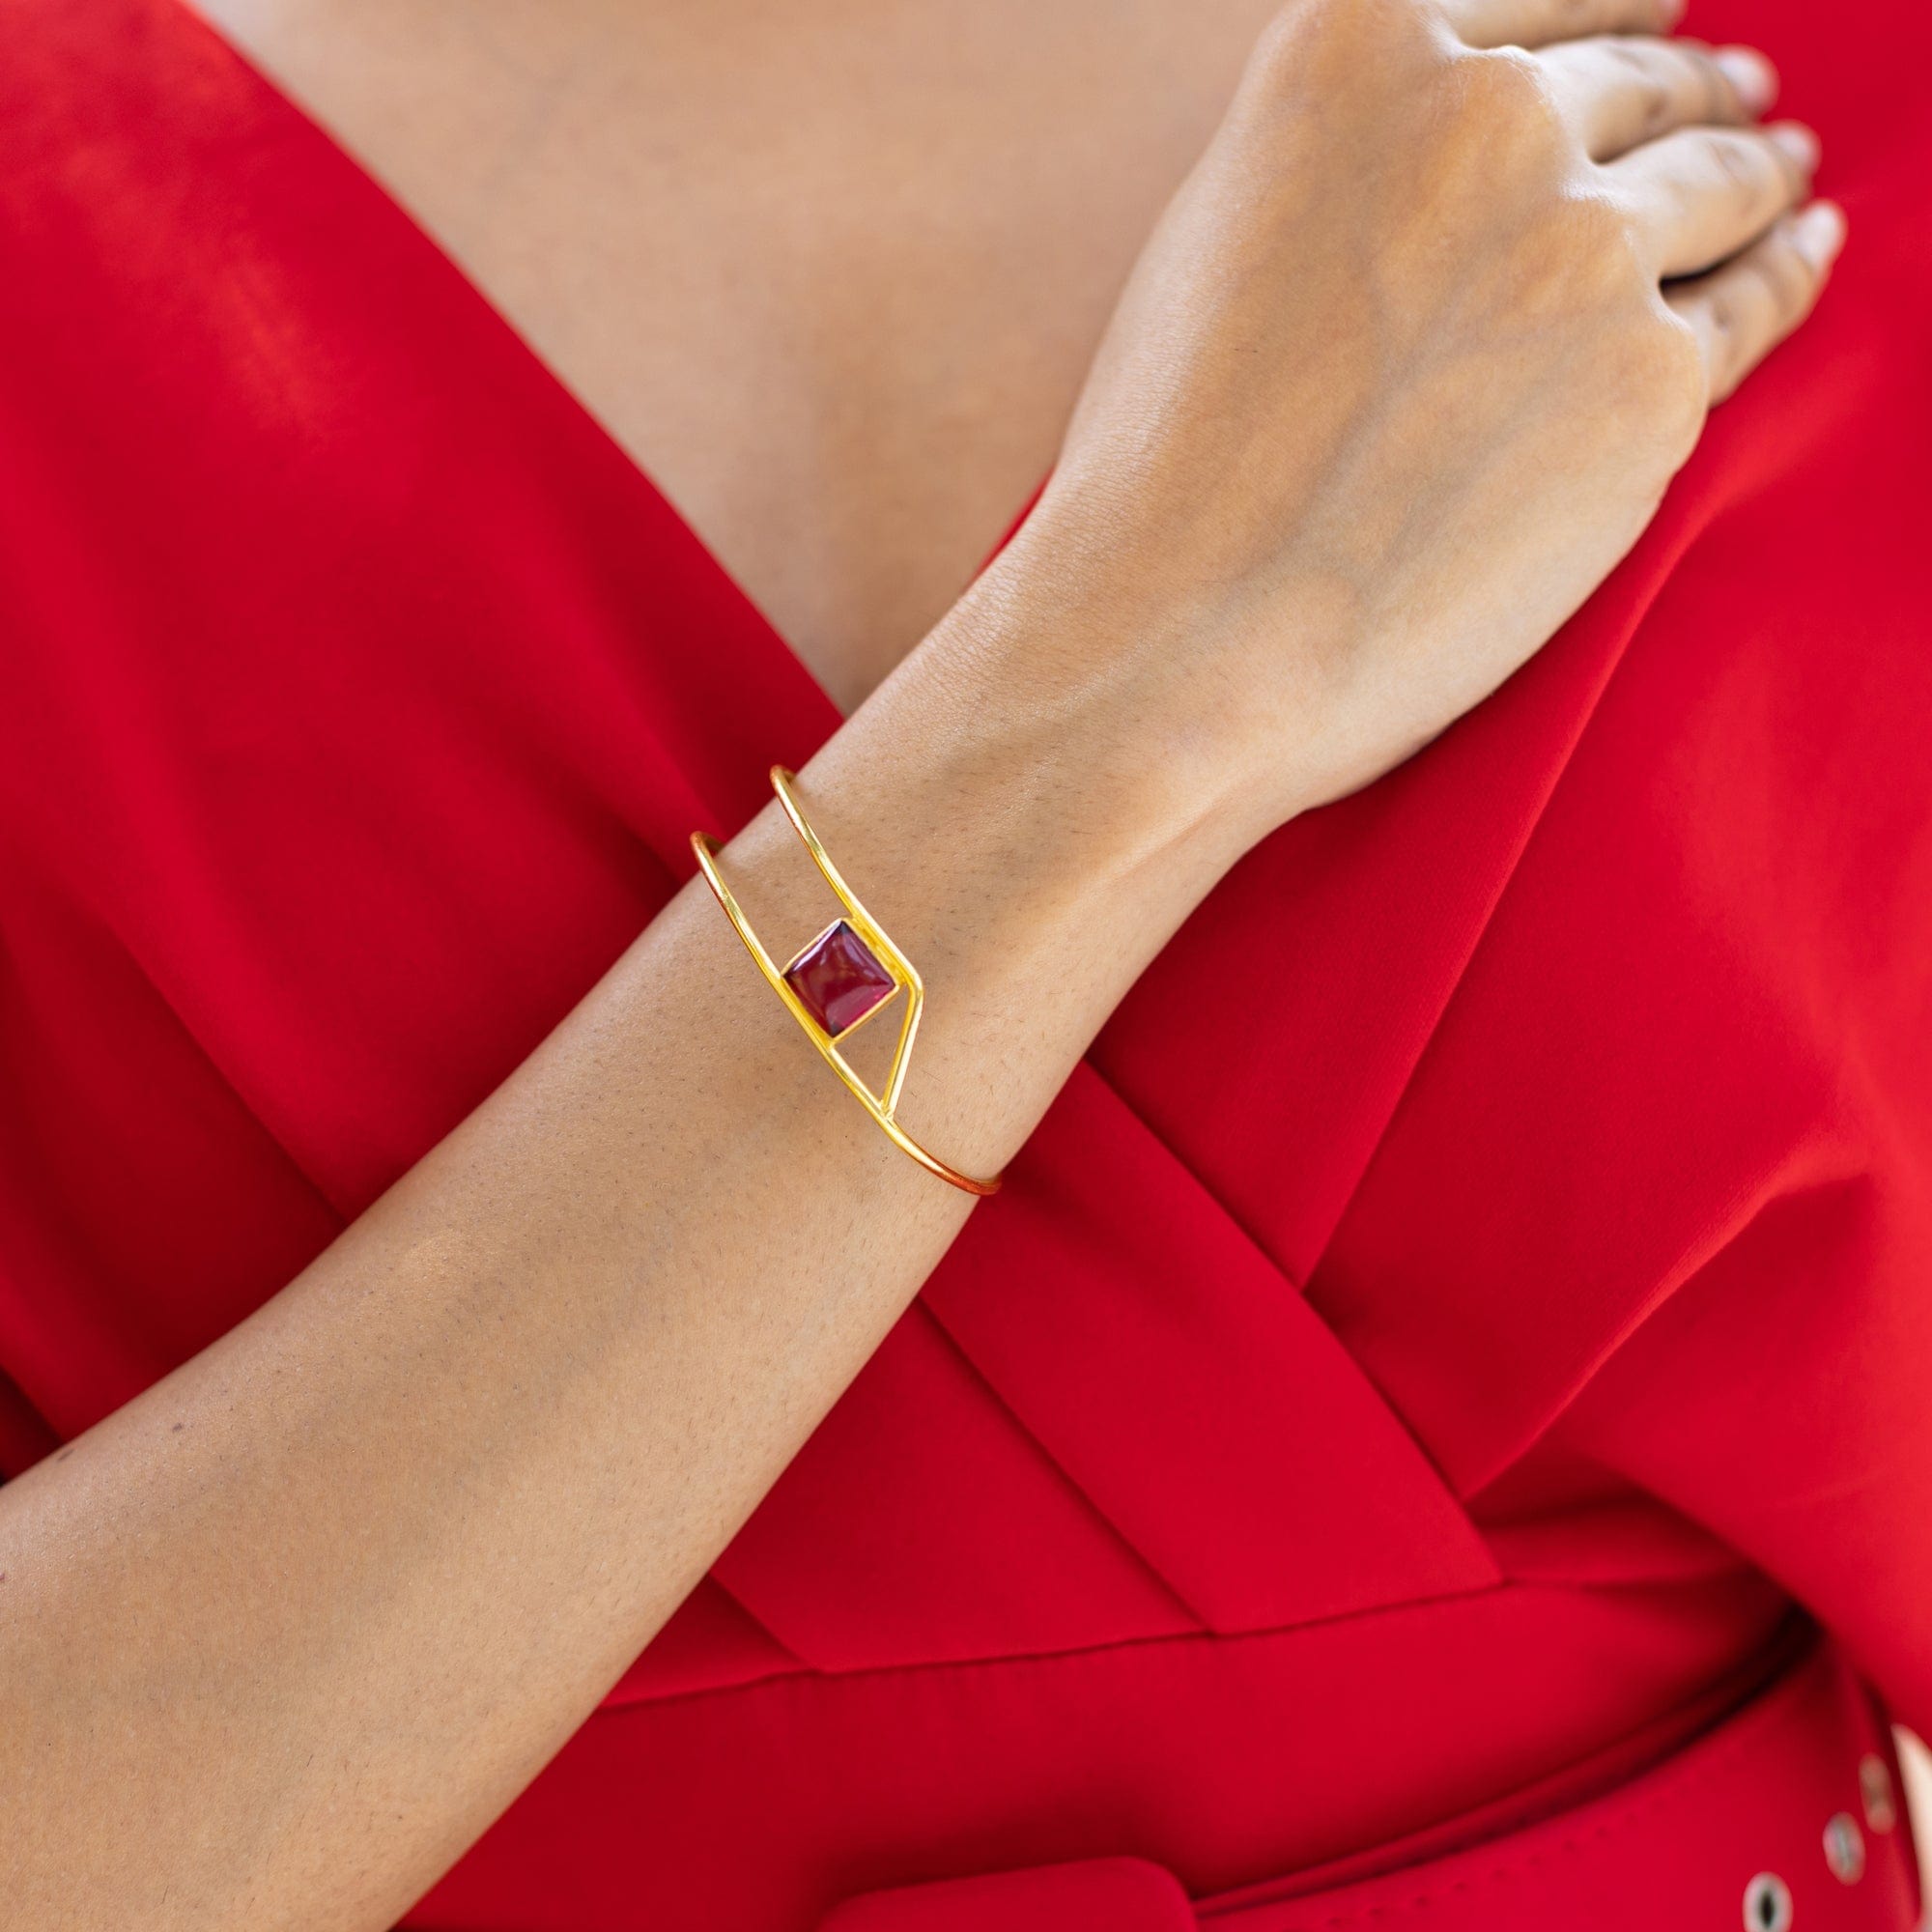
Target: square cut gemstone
840,978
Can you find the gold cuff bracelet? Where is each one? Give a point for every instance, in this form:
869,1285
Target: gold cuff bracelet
836,981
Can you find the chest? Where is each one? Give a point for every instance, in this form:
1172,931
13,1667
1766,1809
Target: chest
831,275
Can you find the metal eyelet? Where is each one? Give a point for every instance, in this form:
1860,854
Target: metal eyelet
1768,1904
1881,1802
1845,1848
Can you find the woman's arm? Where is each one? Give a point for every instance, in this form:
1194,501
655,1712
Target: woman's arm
1392,389
278,1638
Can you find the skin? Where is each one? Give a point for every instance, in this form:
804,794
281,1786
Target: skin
776,248
281,1636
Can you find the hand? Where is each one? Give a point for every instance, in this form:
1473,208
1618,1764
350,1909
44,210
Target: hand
1402,373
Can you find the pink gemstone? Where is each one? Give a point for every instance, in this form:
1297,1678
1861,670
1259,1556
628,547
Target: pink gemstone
840,978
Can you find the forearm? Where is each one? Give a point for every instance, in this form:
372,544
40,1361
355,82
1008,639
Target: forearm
283,1634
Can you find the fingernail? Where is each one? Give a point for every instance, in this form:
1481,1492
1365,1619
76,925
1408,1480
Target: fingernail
1820,233
1798,142
1754,76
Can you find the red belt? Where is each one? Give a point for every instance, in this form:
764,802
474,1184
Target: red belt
1784,1814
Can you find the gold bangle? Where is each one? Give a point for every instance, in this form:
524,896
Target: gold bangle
838,980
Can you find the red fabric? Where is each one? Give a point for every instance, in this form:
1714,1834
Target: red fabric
1710,1830
1494,1356
1124,1894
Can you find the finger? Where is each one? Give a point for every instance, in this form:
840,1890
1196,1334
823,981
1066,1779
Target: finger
1742,311
1703,193
1618,91
1537,24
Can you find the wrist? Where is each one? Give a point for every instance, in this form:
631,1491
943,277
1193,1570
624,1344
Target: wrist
1033,715
1006,814
1176,716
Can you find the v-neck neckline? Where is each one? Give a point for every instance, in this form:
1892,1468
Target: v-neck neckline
1391,919
809,697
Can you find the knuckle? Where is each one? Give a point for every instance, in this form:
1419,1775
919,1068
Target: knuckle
1664,355
1276,49
1650,363
1728,161
1665,374
1654,105
1728,362
1716,96
1787,277
1741,164
1580,273
1602,249
1507,106
1649,84
1306,31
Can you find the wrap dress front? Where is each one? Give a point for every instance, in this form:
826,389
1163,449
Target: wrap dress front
1459,1343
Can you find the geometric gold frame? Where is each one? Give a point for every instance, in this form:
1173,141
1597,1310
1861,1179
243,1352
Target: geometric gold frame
881,1106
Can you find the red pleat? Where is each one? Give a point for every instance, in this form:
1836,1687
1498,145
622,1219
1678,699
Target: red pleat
711,1642
919,1523
1210,1414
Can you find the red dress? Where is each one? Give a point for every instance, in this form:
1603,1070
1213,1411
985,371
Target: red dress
1402,1473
